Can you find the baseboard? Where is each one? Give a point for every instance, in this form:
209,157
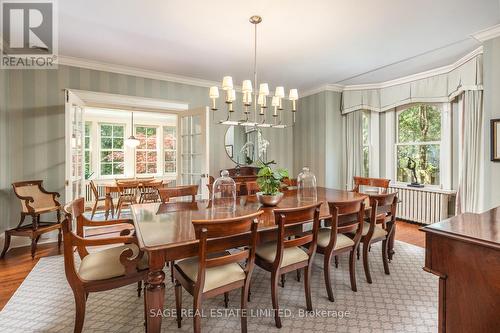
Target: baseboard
16,241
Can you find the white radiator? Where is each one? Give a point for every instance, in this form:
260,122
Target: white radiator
423,205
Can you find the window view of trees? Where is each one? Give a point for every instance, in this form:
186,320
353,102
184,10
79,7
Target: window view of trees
87,158
146,155
112,149
170,148
366,144
419,140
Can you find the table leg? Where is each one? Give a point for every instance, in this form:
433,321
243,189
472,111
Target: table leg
155,298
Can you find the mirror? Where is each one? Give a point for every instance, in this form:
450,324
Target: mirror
245,145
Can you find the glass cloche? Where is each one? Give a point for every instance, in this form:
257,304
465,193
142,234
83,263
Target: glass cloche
306,186
224,193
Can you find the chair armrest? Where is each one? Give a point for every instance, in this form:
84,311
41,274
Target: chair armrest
90,223
130,262
79,241
54,194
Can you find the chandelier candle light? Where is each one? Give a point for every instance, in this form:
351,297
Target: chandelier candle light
259,97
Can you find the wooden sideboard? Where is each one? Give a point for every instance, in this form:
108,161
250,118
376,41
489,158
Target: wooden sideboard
244,174
464,252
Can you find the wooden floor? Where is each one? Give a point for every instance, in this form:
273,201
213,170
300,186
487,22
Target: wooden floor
17,263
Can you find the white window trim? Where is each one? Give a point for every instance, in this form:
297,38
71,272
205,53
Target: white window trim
445,151
98,160
176,150
159,149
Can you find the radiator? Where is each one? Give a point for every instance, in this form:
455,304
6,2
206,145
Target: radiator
424,206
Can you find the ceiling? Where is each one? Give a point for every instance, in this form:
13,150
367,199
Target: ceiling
302,44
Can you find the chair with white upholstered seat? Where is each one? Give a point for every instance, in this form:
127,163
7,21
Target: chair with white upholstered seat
347,216
287,255
381,205
211,274
99,270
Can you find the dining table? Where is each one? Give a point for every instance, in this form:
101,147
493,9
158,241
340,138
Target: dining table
111,187
165,233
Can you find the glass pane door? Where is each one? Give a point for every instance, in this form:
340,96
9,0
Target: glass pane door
75,178
193,149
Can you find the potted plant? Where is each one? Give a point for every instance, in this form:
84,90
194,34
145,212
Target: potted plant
269,182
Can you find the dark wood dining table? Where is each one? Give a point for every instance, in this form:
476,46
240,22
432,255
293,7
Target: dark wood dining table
165,233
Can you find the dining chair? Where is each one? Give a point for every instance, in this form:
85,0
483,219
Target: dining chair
252,188
77,208
168,193
287,255
100,270
97,199
35,201
127,190
381,205
212,274
347,216
380,185
149,190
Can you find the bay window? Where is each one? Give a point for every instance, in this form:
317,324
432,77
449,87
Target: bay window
146,155
112,149
418,144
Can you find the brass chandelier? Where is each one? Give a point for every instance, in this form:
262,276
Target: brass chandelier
260,97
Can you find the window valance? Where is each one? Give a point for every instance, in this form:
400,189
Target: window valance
436,89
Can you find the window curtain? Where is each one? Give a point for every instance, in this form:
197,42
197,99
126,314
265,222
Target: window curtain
470,163
353,143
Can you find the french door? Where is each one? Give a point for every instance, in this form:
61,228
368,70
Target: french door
194,149
75,131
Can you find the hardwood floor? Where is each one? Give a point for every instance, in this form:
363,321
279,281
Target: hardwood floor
17,263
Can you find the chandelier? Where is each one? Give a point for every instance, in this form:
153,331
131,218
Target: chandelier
260,98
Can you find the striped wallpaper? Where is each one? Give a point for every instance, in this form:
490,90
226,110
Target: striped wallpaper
32,125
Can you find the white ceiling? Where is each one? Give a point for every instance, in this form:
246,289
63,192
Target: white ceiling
302,44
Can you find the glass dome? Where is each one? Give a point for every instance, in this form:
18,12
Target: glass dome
306,186
224,193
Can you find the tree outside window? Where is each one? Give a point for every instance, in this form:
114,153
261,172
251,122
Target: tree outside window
88,152
146,156
419,140
170,149
112,149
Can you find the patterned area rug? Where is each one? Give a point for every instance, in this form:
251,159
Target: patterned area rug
405,301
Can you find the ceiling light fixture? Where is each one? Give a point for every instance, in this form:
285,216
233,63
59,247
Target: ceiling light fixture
260,97
132,141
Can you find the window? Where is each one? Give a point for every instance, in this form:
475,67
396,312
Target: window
170,148
146,156
418,142
365,171
112,149
88,152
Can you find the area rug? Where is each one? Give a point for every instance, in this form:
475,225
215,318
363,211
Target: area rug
404,301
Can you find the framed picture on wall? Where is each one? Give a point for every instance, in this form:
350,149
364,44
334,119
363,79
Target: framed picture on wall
495,140
229,150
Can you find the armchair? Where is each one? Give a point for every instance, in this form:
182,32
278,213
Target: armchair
35,201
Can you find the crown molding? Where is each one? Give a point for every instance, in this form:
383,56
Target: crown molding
487,34
418,76
134,71
325,87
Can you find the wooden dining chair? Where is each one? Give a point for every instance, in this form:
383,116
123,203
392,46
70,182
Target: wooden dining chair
35,201
168,193
100,270
380,185
97,199
211,274
252,188
127,190
149,190
347,216
381,205
287,255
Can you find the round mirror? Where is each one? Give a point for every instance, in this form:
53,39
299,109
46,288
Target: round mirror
245,145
